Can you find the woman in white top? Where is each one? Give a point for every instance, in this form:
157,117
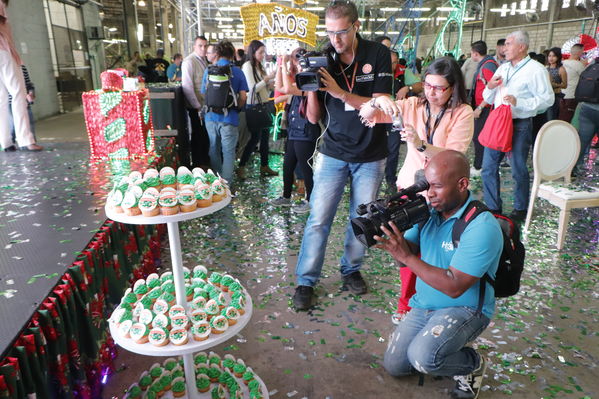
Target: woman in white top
258,82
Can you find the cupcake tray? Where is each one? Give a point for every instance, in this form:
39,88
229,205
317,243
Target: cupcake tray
179,217
191,346
206,395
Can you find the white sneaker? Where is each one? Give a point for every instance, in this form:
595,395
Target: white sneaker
302,207
469,386
281,201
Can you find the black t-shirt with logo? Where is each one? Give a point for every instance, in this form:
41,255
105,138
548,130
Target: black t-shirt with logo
347,138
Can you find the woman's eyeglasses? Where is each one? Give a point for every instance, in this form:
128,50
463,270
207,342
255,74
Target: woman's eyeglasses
436,89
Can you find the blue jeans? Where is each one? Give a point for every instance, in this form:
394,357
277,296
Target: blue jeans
434,342
393,144
330,177
588,125
223,139
521,142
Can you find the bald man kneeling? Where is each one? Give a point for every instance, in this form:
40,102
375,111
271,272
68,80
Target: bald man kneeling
432,338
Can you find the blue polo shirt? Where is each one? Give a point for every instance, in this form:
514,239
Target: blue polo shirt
239,84
173,71
479,251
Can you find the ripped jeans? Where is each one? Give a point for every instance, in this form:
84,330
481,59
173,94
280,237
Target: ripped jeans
434,342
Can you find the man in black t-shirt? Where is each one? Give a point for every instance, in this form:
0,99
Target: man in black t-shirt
349,151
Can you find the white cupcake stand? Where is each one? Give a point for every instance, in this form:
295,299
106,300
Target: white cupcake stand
187,350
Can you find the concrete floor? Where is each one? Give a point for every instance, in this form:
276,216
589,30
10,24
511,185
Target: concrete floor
544,342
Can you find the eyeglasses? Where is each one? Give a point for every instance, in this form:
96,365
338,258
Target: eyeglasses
340,33
436,89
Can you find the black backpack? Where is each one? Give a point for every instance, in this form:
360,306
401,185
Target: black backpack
587,89
511,262
219,96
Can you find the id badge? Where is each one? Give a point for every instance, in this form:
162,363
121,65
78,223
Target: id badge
349,108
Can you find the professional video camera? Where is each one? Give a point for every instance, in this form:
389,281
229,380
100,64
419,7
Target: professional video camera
405,209
309,78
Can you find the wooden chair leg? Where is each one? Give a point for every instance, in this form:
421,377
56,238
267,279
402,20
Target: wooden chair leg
564,218
531,204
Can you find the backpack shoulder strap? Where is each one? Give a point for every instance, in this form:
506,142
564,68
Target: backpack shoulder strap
480,72
473,209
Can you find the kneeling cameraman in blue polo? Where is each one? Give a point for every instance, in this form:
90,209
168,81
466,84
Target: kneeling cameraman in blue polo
432,338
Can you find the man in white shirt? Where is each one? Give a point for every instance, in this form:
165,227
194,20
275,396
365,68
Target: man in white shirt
524,84
192,71
574,68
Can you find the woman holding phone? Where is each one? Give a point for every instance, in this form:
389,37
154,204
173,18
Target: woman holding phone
438,120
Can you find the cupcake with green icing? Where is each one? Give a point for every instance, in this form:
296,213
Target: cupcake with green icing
215,278
146,302
153,283
256,394
145,380
140,288
201,357
165,381
247,377
202,383
134,392
169,298
203,194
153,182
238,306
225,282
166,276
210,177
184,177
156,371
168,286
254,385
130,204
189,292
202,368
200,272
130,298
178,372
235,287
214,359
228,363
178,387
115,199
200,293
218,191
151,394
239,369
170,363
168,178
154,293
127,315
213,373
217,393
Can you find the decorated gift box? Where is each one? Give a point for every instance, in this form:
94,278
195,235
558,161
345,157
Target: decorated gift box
119,123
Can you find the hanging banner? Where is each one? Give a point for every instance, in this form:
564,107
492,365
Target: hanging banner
265,20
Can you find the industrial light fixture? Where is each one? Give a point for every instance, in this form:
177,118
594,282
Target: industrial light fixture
141,3
140,32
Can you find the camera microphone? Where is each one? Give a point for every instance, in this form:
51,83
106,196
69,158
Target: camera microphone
420,185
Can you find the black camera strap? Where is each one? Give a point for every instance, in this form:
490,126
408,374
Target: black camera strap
429,134
353,78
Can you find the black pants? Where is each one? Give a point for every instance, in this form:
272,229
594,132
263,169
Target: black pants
479,150
257,136
200,142
393,144
298,152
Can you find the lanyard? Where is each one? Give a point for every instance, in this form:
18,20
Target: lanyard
508,78
429,139
353,78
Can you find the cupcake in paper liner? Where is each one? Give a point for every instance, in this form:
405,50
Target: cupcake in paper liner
203,194
187,200
168,203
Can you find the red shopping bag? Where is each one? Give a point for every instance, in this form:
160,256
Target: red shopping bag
498,130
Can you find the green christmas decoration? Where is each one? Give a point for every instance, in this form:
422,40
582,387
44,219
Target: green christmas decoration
149,142
146,111
121,153
115,130
108,101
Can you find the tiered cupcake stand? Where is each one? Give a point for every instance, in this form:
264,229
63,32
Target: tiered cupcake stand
187,350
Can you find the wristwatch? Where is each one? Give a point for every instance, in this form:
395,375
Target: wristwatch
422,147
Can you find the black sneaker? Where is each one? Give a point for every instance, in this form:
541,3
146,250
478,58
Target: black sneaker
302,299
518,216
10,148
468,386
354,283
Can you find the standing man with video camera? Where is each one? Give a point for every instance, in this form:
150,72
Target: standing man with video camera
349,151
